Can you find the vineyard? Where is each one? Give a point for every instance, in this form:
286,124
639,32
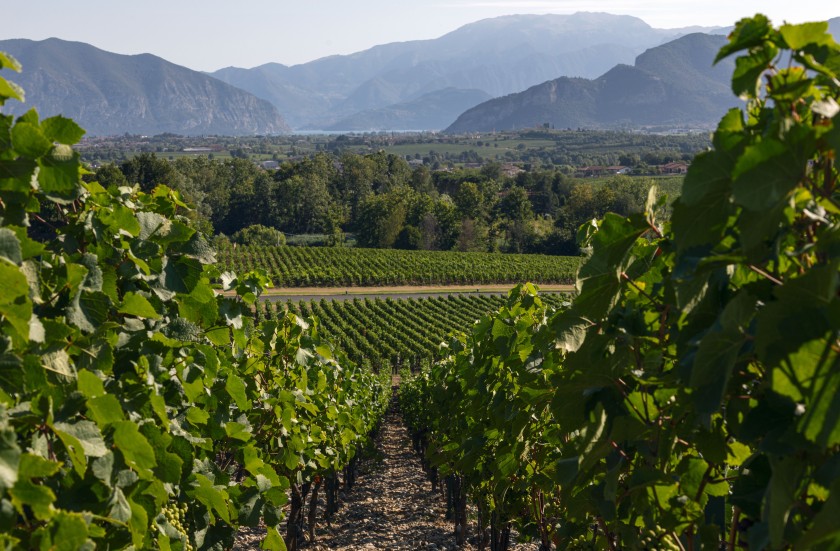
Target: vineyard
389,333
689,397
340,266
139,408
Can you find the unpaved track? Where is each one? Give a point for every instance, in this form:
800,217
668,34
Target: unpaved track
392,505
397,291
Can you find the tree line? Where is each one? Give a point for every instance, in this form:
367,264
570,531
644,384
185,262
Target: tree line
386,202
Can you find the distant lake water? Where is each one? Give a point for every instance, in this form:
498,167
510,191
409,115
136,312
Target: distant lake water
358,132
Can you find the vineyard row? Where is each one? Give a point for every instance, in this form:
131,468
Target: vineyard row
340,266
403,332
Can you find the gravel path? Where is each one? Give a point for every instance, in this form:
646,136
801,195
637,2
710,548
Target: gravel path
391,506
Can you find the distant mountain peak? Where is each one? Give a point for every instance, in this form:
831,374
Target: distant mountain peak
669,85
498,56
108,93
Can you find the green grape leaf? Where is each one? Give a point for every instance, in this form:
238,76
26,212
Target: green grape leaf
746,79
10,246
14,300
62,130
200,306
825,525
273,541
748,33
139,306
11,90
71,531
765,174
88,310
599,278
29,141
138,524
215,499
135,448
39,498
121,219
236,389
87,434
9,62
781,495
74,448
59,174
10,457
799,36
35,466
16,175
105,410
182,275
89,384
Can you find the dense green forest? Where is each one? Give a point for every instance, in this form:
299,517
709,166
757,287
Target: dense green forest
387,203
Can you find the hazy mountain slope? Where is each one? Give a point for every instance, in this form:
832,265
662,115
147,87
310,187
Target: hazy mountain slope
108,93
432,111
498,56
671,84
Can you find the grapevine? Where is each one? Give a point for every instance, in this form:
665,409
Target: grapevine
138,406
687,398
339,267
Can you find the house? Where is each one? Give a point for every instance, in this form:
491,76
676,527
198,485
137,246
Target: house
678,167
510,170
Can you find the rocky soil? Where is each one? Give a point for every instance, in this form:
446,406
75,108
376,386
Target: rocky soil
391,507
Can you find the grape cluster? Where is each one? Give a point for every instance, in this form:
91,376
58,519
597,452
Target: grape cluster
581,543
175,516
654,539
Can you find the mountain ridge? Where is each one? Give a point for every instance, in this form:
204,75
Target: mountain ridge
653,91
675,83
496,55
108,93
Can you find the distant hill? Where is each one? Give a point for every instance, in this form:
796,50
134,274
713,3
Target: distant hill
834,27
497,56
108,93
432,111
671,84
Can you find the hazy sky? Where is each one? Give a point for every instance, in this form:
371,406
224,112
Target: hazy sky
210,34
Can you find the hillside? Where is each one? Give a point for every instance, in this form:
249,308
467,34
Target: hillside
108,93
674,83
432,111
497,56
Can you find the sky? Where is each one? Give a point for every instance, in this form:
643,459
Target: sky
210,34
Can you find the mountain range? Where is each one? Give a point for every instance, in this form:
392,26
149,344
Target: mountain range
584,69
109,93
497,56
673,84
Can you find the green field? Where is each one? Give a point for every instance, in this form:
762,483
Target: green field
389,333
341,266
